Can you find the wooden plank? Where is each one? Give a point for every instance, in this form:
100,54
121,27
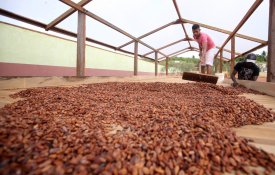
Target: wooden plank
136,59
264,87
271,43
262,135
81,38
65,15
241,23
232,64
224,31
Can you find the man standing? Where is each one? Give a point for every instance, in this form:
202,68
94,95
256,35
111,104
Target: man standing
247,70
206,46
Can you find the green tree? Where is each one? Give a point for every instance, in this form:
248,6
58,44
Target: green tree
180,64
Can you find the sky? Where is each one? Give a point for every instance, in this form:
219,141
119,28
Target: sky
138,17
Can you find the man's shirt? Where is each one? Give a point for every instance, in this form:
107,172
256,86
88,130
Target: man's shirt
245,71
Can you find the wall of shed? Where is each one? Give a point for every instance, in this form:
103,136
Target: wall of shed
24,52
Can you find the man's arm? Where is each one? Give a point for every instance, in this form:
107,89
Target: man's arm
203,49
233,74
256,73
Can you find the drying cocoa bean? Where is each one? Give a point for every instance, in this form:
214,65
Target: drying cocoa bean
131,128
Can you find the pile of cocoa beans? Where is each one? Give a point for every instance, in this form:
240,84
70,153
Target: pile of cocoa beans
132,128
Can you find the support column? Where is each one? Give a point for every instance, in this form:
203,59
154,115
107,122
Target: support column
233,53
136,59
216,64
166,66
156,63
221,56
271,43
81,38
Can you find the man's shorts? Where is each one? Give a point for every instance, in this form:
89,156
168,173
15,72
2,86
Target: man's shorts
209,58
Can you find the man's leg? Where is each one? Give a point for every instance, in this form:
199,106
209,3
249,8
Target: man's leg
203,69
209,60
209,69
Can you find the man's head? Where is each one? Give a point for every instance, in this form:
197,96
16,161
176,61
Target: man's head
250,59
196,30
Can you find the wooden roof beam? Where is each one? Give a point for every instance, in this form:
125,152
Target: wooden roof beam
252,50
168,45
147,34
65,15
241,23
179,15
224,31
103,21
187,48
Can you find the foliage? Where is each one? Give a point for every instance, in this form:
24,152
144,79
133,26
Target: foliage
260,57
180,64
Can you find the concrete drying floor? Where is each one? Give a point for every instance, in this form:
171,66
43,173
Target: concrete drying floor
263,136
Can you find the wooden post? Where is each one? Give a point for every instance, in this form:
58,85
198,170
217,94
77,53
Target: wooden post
216,64
136,59
166,66
221,56
271,43
156,63
81,38
232,54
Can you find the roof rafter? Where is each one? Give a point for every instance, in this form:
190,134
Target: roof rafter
227,50
66,14
252,50
224,31
149,33
241,23
176,52
179,15
103,21
168,45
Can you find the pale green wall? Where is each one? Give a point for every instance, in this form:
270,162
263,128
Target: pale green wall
24,46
